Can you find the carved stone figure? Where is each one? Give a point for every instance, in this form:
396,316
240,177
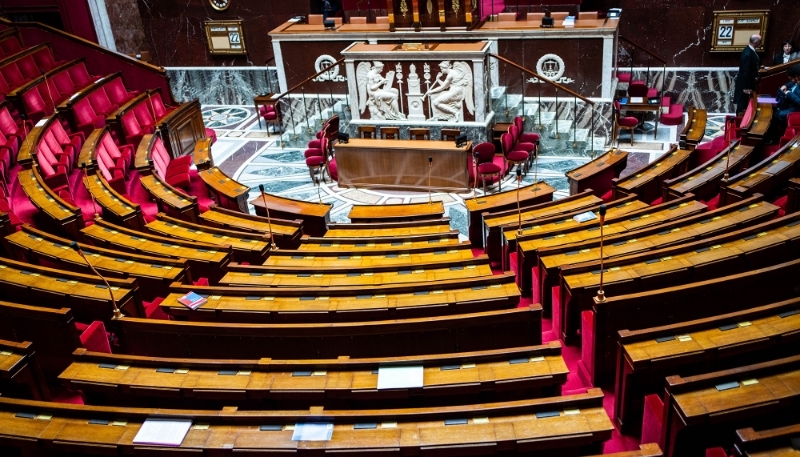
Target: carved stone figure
448,96
376,92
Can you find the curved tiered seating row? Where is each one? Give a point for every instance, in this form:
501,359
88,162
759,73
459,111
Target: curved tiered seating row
532,371
87,109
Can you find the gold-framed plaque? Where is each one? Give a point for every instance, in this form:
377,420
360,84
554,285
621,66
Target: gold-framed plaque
732,29
225,37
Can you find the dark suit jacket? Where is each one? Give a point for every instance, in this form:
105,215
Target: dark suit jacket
789,102
748,72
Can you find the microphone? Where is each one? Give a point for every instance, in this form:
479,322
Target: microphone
86,182
430,166
117,313
601,296
272,246
475,166
519,211
48,91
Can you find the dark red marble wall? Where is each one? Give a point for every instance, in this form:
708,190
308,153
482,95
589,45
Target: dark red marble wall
680,30
176,37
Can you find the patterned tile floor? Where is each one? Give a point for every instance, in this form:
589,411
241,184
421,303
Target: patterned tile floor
245,151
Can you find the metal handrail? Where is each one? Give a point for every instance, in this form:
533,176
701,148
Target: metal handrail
325,70
542,78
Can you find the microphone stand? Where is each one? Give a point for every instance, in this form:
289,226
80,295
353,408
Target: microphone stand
519,211
86,181
430,166
49,95
272,246
117,313
601,296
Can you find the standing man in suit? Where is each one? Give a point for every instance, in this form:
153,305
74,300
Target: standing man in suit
748,74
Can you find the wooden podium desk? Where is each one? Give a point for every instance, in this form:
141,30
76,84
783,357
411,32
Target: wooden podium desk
402,164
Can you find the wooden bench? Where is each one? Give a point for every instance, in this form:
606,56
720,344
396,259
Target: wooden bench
598,174
767,177
64,216
246,246
170,200
705,410
388,229
287,234
333,276
645,357
676,304
345,304
21,376
568,231
754,247
378,244
494,223
510,235
448,379
723,220
430,335
226,191
315,216
760,126
704,181
52,331
793,196
397,212
202,157
645,450
561,425
86,295
205,260
395,256
541,192
764,443
647,181
154,274
116,207
695,128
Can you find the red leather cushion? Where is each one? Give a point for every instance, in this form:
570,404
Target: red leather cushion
488,168
628,122
315,160
95,338
517,156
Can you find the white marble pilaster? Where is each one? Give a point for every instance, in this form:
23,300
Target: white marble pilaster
352,88
494,68
479,92
276,51
608,65
102,25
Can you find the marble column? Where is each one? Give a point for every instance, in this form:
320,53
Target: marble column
126,25
102,26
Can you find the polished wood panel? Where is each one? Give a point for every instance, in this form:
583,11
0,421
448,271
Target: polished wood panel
402,212
722,295
333,276
205,260
697,412
154,274
21,376
449,379
775,442
760,126
170,200
345,304
182,128
754,247
202,157
695,128
429,335
580,423
287,233
478,208
225,189
766,177
598,173
704,181
64,216
645,357
389,229
116,207
401,164
315,216
247,246
719,221
648,180
399,255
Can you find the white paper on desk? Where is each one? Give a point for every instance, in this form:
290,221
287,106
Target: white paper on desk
163,432
312,431
583,217
569,21
399,377
637,100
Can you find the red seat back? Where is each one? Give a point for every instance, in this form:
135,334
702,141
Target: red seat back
80,77
27,66
63,83
84,113
160,158
100,102
158,105
10,46
7,124
34,102
143,115
485,152
44,59
130,124
637,90
12,75
117,92
110,146
51,141
507,143
63,137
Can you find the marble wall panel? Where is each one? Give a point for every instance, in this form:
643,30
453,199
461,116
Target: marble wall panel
126,26
582,64
709,89
221,86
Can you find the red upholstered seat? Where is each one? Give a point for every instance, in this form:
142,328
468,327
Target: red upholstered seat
523,136
113,171
716,452
333,169
173,172
68,150
628,121
144,117
637,89
10,46
100,102
315,160
117,93
210,133
80,76
121,154
793,120
94,337
52,161
512,156
674,116
28,68
86,118
133,132
520,145
64,83
35,105
624,77
12,75
652,420
44,59
158,107
11,128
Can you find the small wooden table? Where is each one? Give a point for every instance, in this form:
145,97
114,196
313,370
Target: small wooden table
644,107
396,213
403,164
